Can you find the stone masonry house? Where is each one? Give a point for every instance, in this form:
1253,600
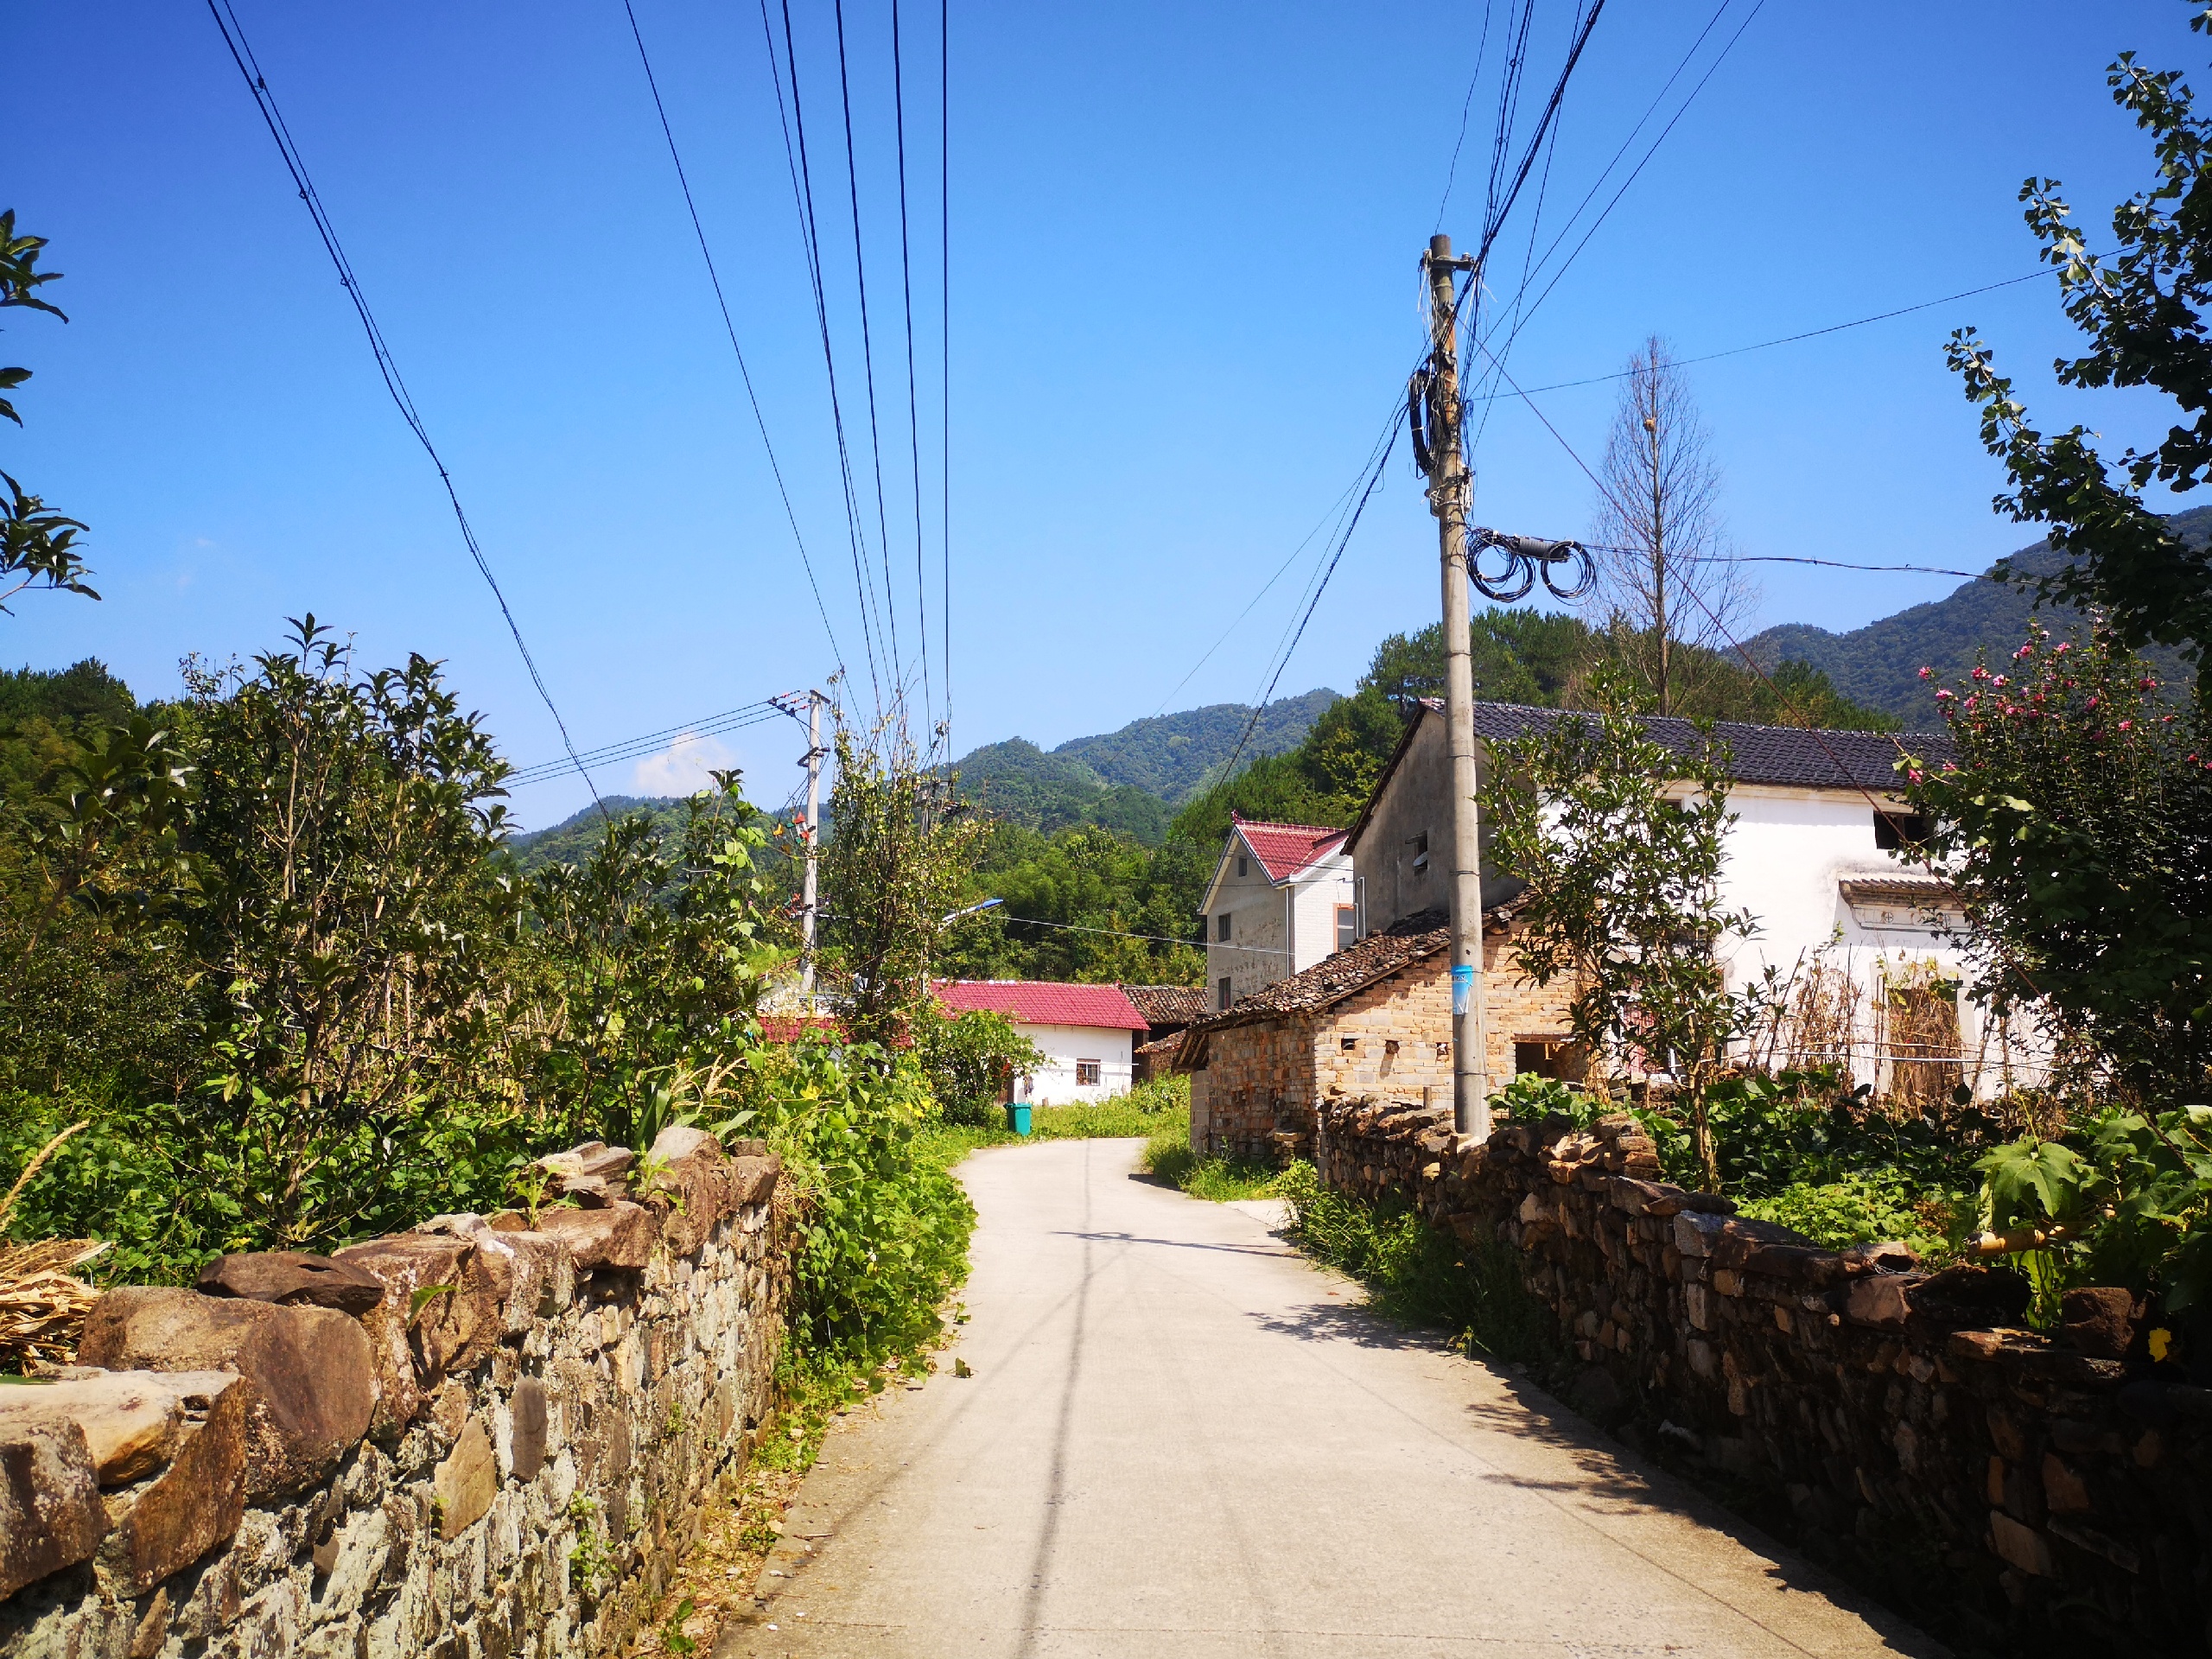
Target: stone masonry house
1167,1010
1374,1018
1281,899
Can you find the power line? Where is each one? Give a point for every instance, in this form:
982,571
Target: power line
721,301
241,54
802,177
1786,340
1163,939
634,748
868,358
913,408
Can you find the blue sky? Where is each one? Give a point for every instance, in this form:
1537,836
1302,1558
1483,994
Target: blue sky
1184,302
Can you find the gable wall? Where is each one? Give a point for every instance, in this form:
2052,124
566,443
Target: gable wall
1417,800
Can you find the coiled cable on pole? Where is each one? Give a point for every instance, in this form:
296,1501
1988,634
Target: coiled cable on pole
1526,556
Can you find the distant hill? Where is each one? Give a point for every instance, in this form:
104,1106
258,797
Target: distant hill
1132,780
571,841
1879,665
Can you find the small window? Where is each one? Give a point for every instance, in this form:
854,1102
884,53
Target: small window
1897,832
1087,1074
1222,990
1349,1045
1420,844
1347,926
1221,927
1242,868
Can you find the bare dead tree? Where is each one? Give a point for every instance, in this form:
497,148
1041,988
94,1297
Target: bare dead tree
1667,578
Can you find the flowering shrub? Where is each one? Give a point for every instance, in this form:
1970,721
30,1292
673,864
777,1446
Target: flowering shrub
2076,822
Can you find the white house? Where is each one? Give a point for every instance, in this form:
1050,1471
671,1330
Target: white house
1085,1032
1867,939
1281,899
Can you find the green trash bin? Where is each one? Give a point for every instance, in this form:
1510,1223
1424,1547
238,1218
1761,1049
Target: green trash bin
1017,1116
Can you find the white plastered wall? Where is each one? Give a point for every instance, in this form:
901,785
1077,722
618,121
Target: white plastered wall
1053,1084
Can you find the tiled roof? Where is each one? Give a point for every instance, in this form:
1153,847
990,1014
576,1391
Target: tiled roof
1167,1005
1284,850
1786,755
1044,1003
790,1028
1163,1051
1329,981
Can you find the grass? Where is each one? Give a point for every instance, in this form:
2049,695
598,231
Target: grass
1416,1274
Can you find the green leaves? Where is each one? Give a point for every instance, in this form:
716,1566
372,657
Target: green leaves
2034,1181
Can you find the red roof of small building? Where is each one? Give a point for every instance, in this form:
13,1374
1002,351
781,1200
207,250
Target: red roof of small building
1044,1003
1284,850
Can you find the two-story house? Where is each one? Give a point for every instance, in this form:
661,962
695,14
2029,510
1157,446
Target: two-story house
1867,938
1281,899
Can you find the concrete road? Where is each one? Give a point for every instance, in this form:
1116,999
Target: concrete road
1180,1439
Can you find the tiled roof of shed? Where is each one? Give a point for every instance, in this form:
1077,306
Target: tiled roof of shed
1044,1003
1333,979
1167,1005
1284,850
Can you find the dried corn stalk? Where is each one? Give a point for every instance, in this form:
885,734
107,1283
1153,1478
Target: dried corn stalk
42,1306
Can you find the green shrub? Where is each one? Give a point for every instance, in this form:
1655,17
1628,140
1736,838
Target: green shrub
1866,1208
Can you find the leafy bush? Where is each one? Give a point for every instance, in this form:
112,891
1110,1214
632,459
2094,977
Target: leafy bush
1866,1207
970,1058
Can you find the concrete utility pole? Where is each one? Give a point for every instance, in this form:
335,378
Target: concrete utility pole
810,902
1447,499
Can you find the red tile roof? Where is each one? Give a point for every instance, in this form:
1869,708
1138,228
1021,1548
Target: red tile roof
1042,1002
1284,850
795,1027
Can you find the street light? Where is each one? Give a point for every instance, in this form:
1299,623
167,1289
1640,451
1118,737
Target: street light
948,921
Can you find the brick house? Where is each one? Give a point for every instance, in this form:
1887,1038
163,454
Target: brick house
1372,1019
1167,1010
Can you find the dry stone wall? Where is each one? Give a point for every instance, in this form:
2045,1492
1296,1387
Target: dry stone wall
482,1439
2018,1493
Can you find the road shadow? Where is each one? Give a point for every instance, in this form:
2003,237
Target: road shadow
1275,1253
1355,1323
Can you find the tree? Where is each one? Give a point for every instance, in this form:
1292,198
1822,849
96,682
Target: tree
970,1058
1665,576
896,863
2076,822
1620,840
2142,308
36,544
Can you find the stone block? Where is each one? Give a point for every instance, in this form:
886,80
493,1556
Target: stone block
310,1369
2101,1321
2063,1489
618,1236
133,1421
1881,1302
1632,1197
1695,1232
51,1516
292,1277
2022,1546
1971,1296
527,1443
593,1174
197,1502
466,1482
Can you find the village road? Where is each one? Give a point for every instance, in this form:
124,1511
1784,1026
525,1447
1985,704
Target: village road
1180,1439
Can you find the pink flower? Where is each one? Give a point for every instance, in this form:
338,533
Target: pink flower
2127,725
1979,672
2025,651
1999,680
2063,645
1913,773
1927,673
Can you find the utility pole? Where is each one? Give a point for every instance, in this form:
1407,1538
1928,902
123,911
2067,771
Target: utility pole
809,902
1447,499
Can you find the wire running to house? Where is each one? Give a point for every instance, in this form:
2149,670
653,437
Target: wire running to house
635,748
729,326
241,51
913,400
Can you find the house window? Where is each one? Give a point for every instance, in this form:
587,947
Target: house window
1897,832
1221,927
1349,1045
1086,1074
1242,868
1420,844
1347,926
1223,991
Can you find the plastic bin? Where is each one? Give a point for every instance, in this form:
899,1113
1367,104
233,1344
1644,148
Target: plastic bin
1017,1116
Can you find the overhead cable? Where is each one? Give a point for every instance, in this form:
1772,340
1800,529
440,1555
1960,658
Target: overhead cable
241,54
729,327
913,401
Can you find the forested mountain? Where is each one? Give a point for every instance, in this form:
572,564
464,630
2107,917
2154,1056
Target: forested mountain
571,841
1879,665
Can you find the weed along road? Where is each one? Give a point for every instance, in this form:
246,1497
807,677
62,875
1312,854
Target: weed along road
1180,1438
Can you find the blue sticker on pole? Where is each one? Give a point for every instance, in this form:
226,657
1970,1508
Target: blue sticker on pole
1463,988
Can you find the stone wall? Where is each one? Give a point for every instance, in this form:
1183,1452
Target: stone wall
482,1439
2016,1492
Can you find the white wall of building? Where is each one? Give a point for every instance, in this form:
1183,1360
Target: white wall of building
1274,931
1054,1082
1790,854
